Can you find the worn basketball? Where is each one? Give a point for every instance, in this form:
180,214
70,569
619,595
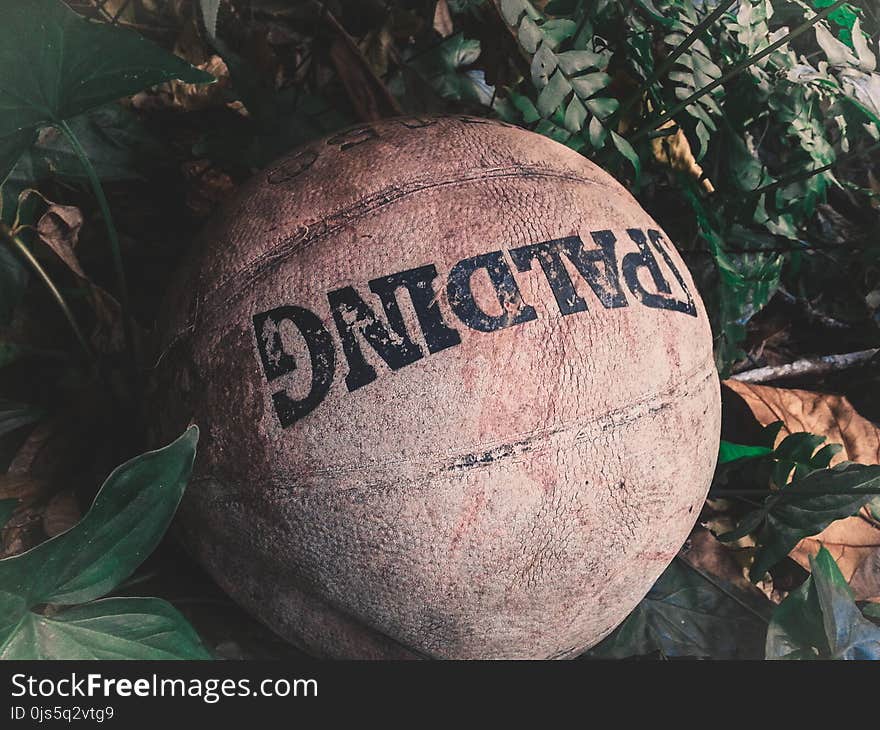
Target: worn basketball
456,393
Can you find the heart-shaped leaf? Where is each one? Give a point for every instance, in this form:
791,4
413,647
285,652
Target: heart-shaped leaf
820,620
685,614
115,628
55,65
125,523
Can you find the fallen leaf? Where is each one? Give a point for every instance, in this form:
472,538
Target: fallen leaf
443,19
59,229
831,416
674,150
207,187
854,542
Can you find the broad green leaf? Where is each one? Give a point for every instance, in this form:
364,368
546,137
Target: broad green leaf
114,628
113,137
15,415
806,507
626,149
13,279
55,65
729,451
820,619
686,615
127,520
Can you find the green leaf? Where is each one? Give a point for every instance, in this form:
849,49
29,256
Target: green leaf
125,523
626,149
731,452
115,628
15,415
588,84
113,137
820,619
72,65
806,507
685,614
13,279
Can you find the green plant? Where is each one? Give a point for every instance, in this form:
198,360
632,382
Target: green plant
48,606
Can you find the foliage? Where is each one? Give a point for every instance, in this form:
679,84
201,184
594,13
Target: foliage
734,123
47,594
820,620
687,614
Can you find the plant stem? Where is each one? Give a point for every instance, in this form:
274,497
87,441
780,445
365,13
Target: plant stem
807,174
677,52
18,245
735,70
115,249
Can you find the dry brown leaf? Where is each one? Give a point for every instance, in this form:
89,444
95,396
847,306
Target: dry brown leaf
832,416
443,19
59,229
207,186
674,150
368,94
854,541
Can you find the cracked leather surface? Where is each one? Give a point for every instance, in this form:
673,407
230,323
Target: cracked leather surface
511,497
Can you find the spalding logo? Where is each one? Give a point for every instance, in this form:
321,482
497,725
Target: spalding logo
352,316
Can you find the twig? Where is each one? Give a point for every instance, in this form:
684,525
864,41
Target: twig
808,366
812,314
18,245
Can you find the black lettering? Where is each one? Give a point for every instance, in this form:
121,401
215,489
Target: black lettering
277,362
461,297
644,259
605,284
418,282
352,315
352,137
291,169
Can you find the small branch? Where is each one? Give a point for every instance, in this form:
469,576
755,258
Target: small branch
18,245
812,366
115,250
812,314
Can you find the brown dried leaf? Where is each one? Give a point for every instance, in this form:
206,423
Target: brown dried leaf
443,19
855,541
674,150
832,416
59,229
207,187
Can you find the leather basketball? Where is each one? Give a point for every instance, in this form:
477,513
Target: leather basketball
456,392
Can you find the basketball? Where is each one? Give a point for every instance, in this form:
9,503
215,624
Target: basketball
456,392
